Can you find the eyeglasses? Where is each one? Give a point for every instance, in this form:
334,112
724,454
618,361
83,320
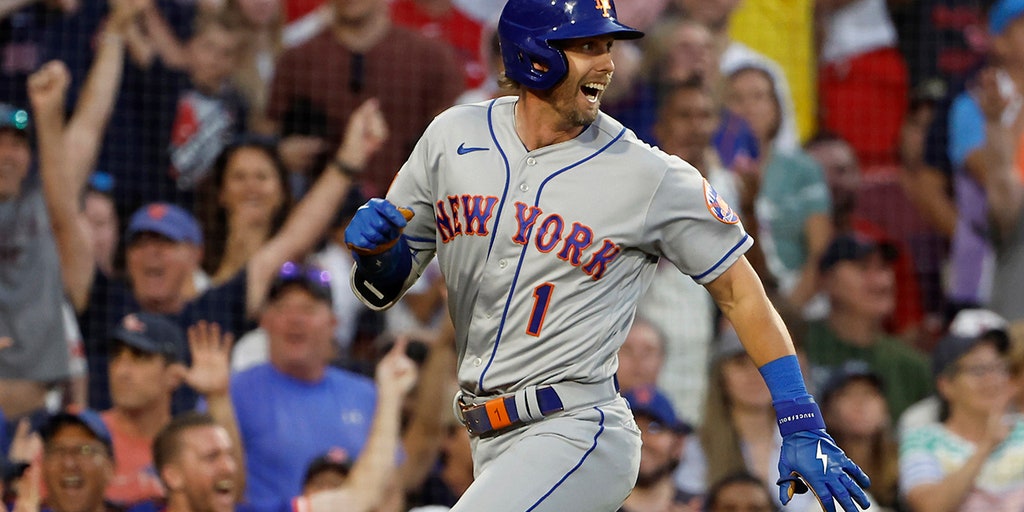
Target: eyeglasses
79,451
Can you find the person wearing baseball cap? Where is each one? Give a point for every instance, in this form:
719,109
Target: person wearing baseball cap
663,435
859,281
971,459
78,461
146,366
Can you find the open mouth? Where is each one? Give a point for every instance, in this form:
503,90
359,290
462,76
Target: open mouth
592,90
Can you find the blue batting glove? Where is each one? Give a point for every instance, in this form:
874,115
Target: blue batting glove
811,459
375,227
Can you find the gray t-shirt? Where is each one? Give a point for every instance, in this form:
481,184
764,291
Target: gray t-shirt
31,291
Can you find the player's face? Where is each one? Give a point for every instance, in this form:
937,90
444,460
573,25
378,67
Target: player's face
686,124
640,357
743,383
742,497
76,469
300,327
864,287
15,157
858,409
204,470
139,380
158,268
751,96
252,192
577,98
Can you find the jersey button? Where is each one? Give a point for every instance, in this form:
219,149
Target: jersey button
502,263
524,187
531,161
478,362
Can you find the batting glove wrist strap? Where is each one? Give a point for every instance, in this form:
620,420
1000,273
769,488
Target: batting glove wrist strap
798,414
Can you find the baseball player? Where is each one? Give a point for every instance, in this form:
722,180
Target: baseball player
548,218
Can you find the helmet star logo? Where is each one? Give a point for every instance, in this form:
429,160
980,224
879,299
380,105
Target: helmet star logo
604,5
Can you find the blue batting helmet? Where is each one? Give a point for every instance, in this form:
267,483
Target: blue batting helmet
528,27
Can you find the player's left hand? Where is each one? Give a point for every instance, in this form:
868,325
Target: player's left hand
811,459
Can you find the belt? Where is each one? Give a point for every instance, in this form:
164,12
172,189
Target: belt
496,415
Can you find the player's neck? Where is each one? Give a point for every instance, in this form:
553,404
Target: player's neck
538,125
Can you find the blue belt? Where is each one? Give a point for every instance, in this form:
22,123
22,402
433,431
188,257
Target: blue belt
499,414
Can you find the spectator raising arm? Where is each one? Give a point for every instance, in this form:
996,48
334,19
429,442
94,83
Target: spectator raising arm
305,225
1002,184
68,153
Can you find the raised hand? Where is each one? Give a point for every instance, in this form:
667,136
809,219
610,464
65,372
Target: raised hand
48,87
376,227
365,133
210,373
396,373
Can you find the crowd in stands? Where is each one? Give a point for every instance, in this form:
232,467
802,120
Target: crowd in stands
176,326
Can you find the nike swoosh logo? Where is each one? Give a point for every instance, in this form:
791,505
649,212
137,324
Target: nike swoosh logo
463,150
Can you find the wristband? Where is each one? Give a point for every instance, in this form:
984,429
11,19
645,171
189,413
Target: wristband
344,168
784,380
798,414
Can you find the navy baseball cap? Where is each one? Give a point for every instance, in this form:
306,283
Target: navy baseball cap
854,248
14,119
152,334
969,328
848,372
167,220
1002,14
313,279
648,401
86,418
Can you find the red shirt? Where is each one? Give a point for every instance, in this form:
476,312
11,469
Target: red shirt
455,28
135,479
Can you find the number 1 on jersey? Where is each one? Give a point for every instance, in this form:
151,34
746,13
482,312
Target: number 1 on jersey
541,299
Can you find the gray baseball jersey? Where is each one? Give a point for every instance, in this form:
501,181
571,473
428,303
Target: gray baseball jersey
546,252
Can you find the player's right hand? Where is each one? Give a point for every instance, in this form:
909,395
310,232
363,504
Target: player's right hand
811,459
376,227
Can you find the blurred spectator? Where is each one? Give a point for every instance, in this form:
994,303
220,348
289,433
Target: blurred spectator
737,431
972,153
443,21
210,112
262,41
783,30
739,492
482,10
858,279
680,308
1003,180
193,455
296,407
42,233
78,462
785,191
641,356
146,366
663,435
971,460
105,228
733,55
326,472
853,400
27,28
843,174
490,56
248,201
863,81
363,55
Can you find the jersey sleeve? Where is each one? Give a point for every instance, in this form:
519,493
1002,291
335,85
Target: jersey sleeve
693,226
